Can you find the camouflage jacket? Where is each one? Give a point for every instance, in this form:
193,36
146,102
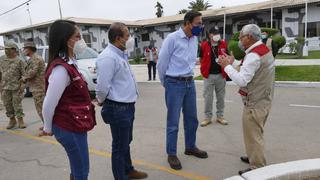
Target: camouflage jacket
34,73
11,72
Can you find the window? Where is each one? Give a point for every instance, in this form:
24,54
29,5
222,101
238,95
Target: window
87,39
145,37
313,29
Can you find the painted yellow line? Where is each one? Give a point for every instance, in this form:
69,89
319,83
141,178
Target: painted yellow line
108,155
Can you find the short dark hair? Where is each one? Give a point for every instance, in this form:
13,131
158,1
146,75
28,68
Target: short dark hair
116,29
189,17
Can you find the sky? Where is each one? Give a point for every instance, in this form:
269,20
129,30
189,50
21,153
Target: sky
45,10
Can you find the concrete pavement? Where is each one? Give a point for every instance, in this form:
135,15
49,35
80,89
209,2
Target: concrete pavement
291,134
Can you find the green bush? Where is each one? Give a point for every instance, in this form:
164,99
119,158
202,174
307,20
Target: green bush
299,45
270,31
237,52
279,40
137,59
235,36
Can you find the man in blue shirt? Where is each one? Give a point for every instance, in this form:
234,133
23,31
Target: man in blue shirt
117,91
176,61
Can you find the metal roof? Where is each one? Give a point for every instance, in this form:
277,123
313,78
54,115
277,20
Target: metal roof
179,17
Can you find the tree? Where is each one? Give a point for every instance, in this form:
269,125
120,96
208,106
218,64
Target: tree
159,7
183,11
199,5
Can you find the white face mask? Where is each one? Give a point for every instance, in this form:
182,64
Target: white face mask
130,44
79,47
216,38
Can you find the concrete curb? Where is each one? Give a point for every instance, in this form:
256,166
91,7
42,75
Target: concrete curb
294,170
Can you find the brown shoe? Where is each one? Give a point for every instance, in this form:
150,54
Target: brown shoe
12,123
196,152
174,162
205,122
21,123
245,159
222,121
134,174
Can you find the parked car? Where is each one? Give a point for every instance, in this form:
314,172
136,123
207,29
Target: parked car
86,65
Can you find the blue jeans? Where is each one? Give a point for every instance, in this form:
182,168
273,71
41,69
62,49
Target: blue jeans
180,95
120,116
76,146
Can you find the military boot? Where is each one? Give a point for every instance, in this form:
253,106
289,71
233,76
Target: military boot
12,123
21,123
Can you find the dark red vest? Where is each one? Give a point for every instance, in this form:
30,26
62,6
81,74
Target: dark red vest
74,112
206,57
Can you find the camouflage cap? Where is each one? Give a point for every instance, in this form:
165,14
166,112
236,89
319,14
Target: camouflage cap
29,44
10,45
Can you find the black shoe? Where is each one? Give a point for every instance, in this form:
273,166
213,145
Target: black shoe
174,162
244,171
245,159
196,152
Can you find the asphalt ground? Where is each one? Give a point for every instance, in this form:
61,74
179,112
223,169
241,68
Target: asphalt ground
291,133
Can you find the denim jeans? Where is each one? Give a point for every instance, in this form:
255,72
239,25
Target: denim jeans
120,116
180,95
76,146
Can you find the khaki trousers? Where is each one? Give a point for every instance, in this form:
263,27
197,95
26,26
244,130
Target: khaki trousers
253,120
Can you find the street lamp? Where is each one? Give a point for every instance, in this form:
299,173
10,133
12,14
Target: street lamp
60,9
305,47
28,9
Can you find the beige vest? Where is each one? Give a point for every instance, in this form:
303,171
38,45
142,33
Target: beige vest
259,91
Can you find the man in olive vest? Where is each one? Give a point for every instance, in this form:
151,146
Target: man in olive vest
256,81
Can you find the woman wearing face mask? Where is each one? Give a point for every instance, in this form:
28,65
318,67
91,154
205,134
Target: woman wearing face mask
67,109
214,77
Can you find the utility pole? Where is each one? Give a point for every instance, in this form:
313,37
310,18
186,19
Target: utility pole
60,9
224,22
28,9
305,47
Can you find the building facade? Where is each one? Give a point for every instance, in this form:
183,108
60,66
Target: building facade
288,16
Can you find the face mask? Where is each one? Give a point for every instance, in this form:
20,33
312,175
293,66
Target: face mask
79,47
196,30
130,44
240,45
216,38
263,36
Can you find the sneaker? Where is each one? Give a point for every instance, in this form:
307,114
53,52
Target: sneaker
222,121
205,122
134,174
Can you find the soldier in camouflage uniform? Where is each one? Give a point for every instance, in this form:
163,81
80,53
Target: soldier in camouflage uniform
12,70
34,75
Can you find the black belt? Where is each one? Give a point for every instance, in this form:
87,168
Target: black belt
118,103
179,78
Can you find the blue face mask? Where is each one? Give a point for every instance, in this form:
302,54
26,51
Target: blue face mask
196,30
263,36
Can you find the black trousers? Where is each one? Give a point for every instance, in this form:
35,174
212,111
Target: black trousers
152,65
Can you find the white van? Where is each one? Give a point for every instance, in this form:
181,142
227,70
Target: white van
86,63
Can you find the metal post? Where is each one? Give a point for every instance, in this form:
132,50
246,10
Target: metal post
60,9
305,47
28,9
271,16
224,24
